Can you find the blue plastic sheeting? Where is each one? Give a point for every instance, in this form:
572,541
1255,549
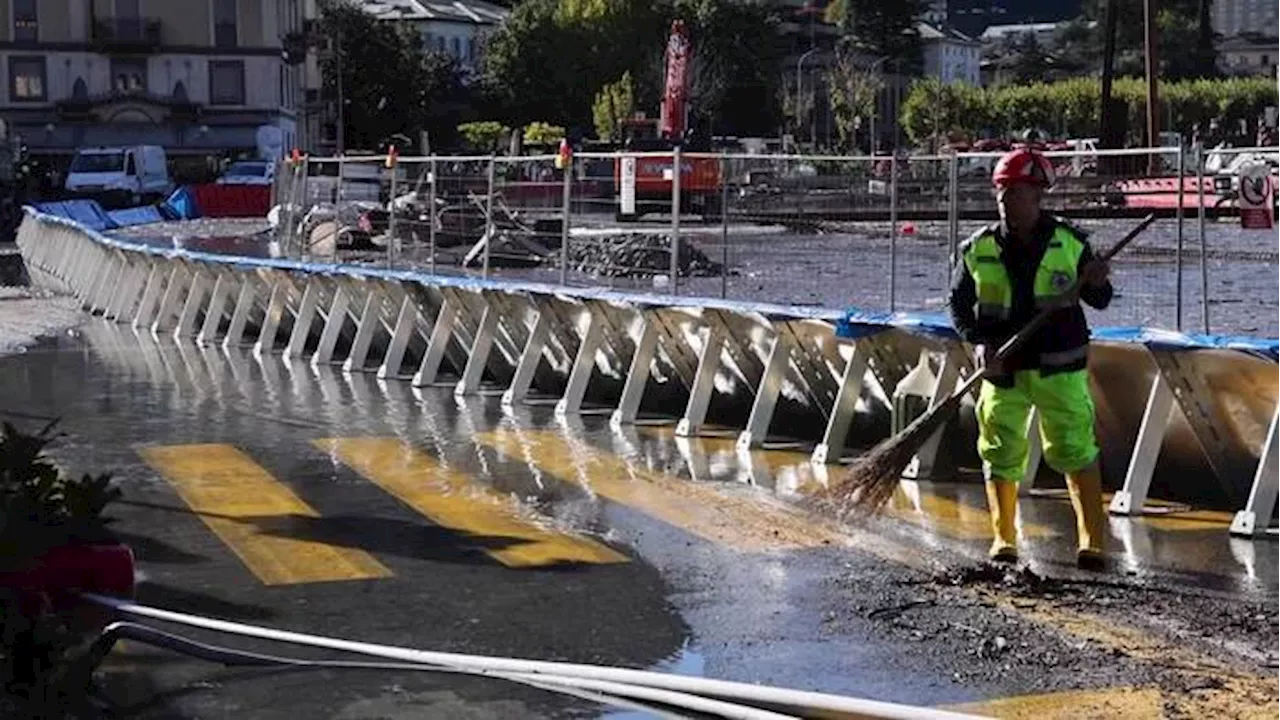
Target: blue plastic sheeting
1170,341
87,213
863,323
136,216
181,205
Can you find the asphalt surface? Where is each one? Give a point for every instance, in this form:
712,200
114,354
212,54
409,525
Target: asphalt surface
274,493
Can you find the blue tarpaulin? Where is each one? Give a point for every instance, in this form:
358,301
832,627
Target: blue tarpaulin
858,323
181,205
85,212
136,216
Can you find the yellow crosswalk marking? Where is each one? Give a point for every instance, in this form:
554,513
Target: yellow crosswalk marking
453,500
744,523
252,513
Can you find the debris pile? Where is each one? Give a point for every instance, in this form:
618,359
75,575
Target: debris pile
637,254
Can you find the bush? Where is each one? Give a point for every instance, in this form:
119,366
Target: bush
543,134
483,136
1070,108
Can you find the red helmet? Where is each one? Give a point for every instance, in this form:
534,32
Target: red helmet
1023,165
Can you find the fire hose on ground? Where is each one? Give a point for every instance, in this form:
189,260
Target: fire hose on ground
662,694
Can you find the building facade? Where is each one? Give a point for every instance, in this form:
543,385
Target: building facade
197,77
458,28
1249,55
950,55
1235,17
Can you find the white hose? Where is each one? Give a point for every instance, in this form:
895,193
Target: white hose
794,702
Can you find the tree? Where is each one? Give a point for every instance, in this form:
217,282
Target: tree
483,136
390,83
1031,63
854,89
553,57
1183,35
613,104
886,29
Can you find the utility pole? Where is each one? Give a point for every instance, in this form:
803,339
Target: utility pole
1153,96
1106,129
342,125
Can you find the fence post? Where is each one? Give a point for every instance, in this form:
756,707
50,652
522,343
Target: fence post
893,231
724,225
675,220
1181,175
1204,245
432,178
488,217
953,207
393,241
566,209
337,205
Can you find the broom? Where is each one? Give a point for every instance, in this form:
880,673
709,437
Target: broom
870,482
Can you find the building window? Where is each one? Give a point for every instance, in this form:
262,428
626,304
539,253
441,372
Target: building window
1266,59
224,23
27,79
471,49
26,21
128,76
226,82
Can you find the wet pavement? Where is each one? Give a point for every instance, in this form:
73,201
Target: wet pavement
271,492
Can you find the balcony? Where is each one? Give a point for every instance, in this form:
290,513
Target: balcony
131,35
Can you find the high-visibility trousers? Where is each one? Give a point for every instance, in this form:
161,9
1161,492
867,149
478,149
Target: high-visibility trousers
1066,423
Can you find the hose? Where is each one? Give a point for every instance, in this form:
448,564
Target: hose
231,657
640,684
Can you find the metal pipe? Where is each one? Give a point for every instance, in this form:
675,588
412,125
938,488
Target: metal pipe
724,227
953,209
893,231
432,177
488,219
1178,211
565,209
1204,244
800,84
675,220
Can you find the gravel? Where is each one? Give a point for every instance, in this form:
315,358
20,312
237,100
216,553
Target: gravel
28,314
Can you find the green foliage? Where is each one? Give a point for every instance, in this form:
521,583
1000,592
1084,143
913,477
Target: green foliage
483,136
885,29
854,90
42,671
391,83
614,103
552,59
543,134
1183,37
40,507
1070,107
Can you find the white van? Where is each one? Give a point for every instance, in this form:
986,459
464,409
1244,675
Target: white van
138,174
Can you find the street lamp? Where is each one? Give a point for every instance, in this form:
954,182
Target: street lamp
875,105
800,82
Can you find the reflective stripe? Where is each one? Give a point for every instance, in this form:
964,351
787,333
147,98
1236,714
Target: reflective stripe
1064,357
1047,301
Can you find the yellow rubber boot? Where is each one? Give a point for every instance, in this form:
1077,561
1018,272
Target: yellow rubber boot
1002,501
1085,487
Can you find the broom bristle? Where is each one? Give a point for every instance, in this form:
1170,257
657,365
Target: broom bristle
871,481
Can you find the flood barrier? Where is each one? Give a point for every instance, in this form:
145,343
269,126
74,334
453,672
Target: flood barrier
1173,410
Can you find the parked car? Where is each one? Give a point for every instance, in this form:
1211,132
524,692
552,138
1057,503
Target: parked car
249,172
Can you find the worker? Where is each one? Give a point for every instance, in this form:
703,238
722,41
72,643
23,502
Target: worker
1005,274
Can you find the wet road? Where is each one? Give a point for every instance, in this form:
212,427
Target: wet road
275,493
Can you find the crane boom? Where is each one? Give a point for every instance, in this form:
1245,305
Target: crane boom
675,91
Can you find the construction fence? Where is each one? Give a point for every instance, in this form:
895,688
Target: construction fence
879,233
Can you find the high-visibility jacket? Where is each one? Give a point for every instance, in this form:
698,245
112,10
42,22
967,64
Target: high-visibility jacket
991,301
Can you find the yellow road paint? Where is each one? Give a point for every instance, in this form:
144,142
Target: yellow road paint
1126,702
252,512
745,523
1190,521
453,500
